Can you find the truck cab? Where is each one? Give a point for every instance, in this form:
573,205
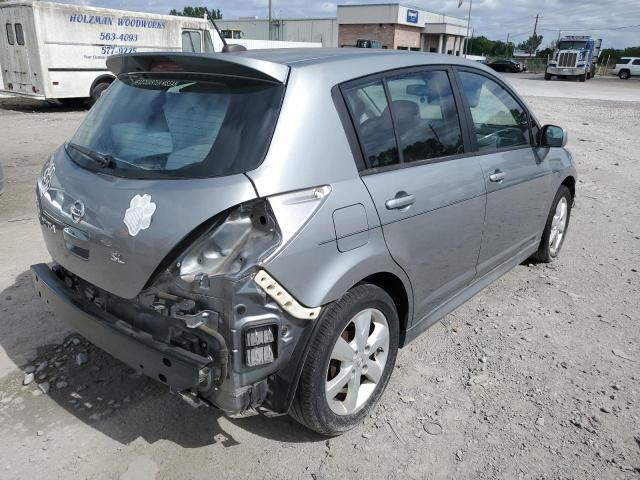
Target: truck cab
576,56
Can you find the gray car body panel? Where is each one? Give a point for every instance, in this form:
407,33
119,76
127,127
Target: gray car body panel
2,180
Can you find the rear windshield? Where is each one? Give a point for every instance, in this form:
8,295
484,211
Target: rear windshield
178,126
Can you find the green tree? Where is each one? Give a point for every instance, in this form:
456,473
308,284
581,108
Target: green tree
531,44
615,54
198,12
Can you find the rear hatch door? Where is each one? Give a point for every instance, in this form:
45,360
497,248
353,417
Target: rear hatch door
83,220
161,153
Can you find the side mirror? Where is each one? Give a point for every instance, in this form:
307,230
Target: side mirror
552,136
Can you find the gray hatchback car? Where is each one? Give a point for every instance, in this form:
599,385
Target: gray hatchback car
262,230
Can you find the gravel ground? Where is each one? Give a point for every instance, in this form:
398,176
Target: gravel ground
537,377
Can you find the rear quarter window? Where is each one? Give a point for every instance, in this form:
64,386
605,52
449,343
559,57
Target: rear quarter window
624,61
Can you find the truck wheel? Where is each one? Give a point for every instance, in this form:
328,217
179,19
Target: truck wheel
624,74
556,227
583,77
97,91
349,362
547,76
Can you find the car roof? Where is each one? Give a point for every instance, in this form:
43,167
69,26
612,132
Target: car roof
276,64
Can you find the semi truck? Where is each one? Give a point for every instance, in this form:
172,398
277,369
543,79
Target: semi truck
575,57
58,51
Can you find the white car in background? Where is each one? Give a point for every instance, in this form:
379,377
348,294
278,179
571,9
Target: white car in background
627,67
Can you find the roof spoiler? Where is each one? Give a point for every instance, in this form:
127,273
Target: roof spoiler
212,63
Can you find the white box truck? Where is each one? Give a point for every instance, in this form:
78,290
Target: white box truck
58,51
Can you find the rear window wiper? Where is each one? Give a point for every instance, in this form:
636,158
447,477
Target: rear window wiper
103,161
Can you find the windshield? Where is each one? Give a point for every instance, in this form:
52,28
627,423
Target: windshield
152,125
567,45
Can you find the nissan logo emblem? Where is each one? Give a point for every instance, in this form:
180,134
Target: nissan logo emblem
77,211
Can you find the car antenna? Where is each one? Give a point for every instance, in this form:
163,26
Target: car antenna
226,48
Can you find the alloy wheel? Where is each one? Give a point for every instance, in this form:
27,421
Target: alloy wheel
357,362
558,226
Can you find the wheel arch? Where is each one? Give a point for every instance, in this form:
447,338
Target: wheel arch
104,78
392,284
570,183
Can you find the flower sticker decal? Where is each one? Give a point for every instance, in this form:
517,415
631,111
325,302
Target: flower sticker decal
138,215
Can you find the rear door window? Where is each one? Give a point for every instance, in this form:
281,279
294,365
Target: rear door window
370,113
19,34
636,62
499,120
425,115
191,41
154,125
10,36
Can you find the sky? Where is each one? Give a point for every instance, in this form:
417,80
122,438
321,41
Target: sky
492,18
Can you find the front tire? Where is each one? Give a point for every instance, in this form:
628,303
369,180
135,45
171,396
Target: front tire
556,227
547,76
349,363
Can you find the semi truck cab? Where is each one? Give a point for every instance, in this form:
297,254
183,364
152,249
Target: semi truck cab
576,56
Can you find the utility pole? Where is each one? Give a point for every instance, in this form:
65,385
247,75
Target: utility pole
535,29
508,45
466,50
269,19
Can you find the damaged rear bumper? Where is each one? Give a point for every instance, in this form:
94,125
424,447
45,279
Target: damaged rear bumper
225,376
178,368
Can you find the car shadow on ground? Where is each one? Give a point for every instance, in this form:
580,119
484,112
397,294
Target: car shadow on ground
24,104
102,392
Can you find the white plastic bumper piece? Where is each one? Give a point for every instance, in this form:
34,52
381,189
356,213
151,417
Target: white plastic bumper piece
283,298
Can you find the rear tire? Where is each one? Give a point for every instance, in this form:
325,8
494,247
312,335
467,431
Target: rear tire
325,406
97,91
546,251
624,74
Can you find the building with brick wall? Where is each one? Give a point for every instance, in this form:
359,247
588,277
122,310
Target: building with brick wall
395,25
401,27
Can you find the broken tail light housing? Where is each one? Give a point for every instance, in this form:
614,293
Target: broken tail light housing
249,234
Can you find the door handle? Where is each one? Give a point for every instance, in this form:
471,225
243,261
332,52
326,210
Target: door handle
497,176
400,201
